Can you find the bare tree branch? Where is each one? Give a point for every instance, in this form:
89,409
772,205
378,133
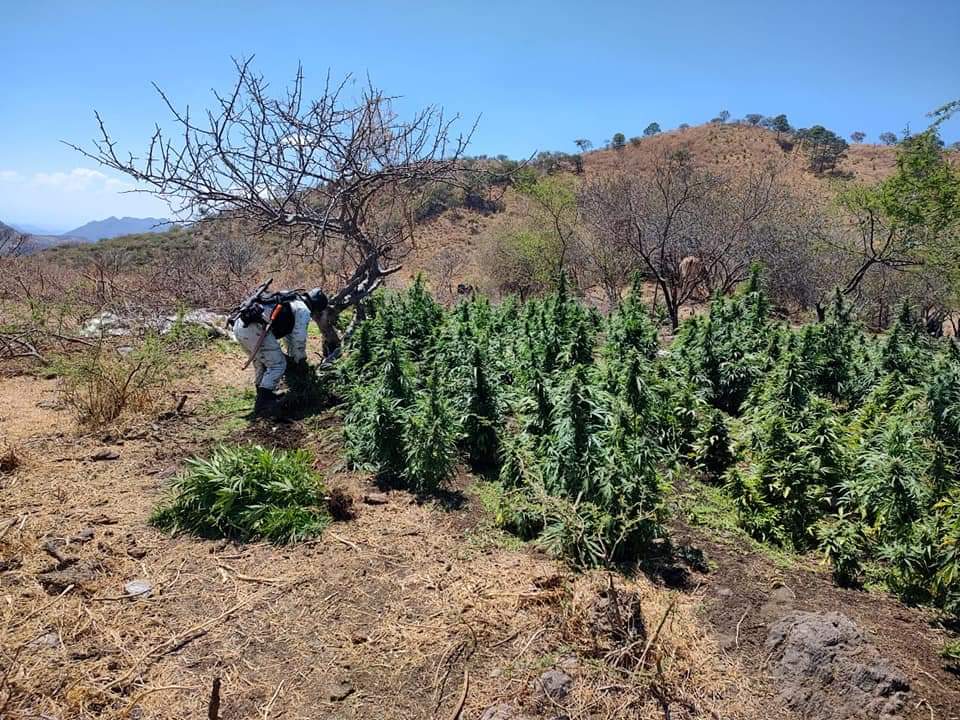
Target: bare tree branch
342,174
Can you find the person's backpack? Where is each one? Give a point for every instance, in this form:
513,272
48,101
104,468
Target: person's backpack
255,309
283,323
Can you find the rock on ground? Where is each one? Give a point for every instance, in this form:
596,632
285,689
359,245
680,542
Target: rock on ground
554,684
111,324
827,670
106,324
138,588
338,691
214,323
501,711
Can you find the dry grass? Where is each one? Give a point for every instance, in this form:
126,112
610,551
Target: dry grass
102,385
415,607
394,603
736,148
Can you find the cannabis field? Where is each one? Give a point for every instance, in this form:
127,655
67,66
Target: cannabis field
826,438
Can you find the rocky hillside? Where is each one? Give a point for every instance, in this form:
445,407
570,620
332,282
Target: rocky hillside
10,239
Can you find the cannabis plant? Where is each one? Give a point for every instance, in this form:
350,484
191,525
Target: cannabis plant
246,493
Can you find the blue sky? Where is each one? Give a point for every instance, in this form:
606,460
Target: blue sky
539,73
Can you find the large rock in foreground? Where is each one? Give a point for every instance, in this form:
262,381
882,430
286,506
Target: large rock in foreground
827,670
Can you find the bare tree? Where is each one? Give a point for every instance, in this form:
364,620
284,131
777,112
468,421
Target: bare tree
868,233
658,220
687,229
449,264
342,174
607,262
800,267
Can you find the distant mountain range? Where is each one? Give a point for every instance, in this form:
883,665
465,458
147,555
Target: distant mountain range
36,239
115,227
28,229
13,240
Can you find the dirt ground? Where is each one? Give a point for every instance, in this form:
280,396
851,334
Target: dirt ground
408,610
747,592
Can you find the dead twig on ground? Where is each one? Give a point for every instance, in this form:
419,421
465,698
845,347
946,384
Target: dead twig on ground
10,524
463,695
213,707
656,634
739,623
177,642
3,681
149,691
265,712
41,609
529,642
250,578
346,542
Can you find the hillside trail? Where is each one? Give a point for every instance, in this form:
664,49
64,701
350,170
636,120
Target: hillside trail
408,610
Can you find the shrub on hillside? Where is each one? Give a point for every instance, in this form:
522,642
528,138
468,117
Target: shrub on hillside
824,148
102,384
246,493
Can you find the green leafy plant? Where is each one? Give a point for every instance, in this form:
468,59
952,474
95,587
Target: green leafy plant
816,438
430,435
246,493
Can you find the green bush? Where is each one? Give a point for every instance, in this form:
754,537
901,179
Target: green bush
430,436
246,493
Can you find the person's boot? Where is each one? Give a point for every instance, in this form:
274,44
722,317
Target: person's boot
265,404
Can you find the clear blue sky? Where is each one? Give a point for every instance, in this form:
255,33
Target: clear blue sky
540,73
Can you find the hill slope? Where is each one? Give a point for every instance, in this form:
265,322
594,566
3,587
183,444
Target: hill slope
460,238
736,148
9,239
450,247
13,239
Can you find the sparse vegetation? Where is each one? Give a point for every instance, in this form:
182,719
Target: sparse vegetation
103,383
